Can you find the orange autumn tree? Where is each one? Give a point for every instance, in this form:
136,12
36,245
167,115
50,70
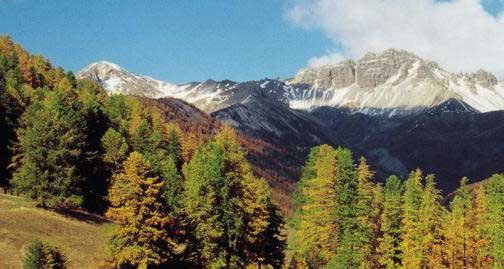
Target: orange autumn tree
141,237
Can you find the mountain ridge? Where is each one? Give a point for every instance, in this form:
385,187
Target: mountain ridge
396,109
391,83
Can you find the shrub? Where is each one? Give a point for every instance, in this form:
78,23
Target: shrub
40,255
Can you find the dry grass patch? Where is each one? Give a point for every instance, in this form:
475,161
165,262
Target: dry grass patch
82,239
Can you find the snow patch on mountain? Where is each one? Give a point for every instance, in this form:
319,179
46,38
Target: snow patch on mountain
392,83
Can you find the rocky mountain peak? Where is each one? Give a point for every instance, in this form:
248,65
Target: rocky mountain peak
390,54
118,80
372,70
482,78
452,105
390,83
112,77
100,70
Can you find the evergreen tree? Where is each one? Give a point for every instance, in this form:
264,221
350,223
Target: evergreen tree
41,255
141,237
459,228
50,147
389,247
411,238
12,102
118,109
173,187
71,79
34,256
174,145
430,216
368,216
495,219
115,148
222,204
91,97
171,171
315,238
349,253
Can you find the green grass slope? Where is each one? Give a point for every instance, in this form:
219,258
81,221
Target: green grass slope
82,237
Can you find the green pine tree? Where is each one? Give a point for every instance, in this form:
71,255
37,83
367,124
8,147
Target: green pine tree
12,103
368,216
411,237
171,170
315,229
495,219
40,255
50,147
389,246
34,256
223,204
350,243
430,220
115,148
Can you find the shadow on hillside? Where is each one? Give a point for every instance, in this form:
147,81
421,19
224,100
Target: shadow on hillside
81,216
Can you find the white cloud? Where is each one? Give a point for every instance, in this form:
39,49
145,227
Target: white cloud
460,35
331,58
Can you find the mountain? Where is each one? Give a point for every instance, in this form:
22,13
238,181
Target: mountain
115,79
392,83
396,109
206,95
451,140
263,117
274,162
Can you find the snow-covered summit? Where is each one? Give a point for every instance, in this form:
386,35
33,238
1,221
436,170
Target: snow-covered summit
116,79
391,83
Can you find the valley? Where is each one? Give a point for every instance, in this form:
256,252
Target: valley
396,109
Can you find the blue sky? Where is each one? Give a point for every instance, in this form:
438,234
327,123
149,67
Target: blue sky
493,6
177,40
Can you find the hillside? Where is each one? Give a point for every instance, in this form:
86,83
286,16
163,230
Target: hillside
81,237
394,108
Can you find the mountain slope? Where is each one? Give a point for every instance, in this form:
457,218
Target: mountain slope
392,83
259,116
270,161
396,109
82,237
451,140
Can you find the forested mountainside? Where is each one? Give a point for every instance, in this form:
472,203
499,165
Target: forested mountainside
178,189
182,189
396,109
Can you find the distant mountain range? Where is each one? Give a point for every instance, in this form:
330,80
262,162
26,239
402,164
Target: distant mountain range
396,109
391,83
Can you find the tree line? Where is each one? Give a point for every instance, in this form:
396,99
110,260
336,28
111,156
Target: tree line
183,199
176,198
345,220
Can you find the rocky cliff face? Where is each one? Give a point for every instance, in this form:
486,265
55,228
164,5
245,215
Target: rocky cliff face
369,72
392,83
